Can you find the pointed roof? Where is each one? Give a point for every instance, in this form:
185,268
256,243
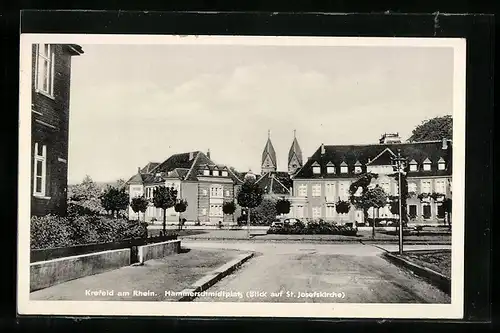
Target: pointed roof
135,179
149,167
295,150
269,151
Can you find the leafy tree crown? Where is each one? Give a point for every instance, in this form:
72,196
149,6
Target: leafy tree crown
139,204
164,197
436,128
250,195
229,207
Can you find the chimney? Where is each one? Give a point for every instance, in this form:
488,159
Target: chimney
138,169
191,156
322,149
445,143
208,153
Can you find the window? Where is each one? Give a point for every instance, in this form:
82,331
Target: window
412,187
343,169
316,212
426,211
357,169
441,165
412,211
204,211
206,172
330,211
224,173
216,210
413,167
316,170
426,187
228,193
216,192
302,190
316,190
330,169
330,190
204,192
427,165
343,190
440,186
44,81
40,170
216,173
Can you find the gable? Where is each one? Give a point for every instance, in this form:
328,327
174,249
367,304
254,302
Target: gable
384,158
268,163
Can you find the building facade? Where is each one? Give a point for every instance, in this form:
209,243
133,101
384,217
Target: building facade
50,93
205,186
326,178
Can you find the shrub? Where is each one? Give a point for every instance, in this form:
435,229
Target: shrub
51,231
313,228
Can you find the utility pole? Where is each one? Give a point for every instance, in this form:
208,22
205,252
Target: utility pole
399,164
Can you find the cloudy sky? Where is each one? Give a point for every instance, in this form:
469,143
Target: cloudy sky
131,104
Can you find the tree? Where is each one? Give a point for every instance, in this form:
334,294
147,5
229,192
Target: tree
447,209
164,198
84,198
436,128
228,208
249,196
342,207
283,206
120,183
394,200
114,200
139,205
368,197
266,211
180,207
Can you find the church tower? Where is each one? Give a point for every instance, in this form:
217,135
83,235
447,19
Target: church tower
294,156
268,156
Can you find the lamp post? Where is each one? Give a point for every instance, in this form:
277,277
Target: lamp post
399,164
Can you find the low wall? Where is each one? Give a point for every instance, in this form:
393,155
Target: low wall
44,274
158,250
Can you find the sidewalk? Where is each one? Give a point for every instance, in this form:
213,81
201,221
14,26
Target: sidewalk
142,283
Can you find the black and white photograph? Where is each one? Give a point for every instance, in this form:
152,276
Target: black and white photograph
272,176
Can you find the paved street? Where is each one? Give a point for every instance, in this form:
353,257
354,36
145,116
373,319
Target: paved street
352,273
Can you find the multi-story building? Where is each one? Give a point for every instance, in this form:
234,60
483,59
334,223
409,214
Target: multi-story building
51,76
327,175
204,185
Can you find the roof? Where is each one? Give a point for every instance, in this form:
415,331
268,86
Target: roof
275,183
379,154
184,166
295,151
269,150
149,167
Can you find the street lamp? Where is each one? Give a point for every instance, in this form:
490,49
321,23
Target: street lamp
399,164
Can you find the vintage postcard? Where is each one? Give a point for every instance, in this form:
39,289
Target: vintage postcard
241,176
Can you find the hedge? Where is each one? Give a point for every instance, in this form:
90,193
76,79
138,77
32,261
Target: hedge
313,228
54,231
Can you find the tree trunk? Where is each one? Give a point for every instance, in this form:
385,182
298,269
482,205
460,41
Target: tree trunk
139,217
164,222
375,214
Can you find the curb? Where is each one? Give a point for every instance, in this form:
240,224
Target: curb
353,241
437,279
213,277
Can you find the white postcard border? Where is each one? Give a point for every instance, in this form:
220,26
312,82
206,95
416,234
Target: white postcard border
199,309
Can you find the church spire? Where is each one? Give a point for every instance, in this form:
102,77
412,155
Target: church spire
268,156
294,155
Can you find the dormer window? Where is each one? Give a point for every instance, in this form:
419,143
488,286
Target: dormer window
343,167
427,165
206,172
316,168
413,165
224,173
441,164
357,167
215,173
330,168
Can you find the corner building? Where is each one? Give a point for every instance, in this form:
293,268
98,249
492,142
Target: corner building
326,177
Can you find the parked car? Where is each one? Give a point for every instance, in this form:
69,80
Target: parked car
277,223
